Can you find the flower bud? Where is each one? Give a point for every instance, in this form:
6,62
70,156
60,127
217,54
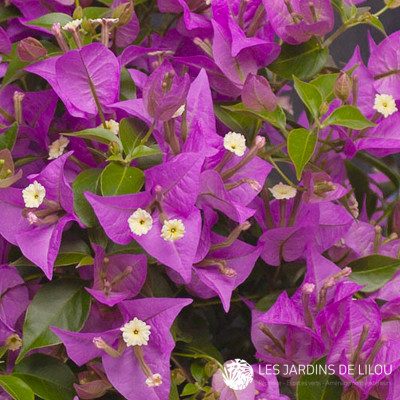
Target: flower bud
78,13
165,92
257,94
177,376
30,49
124,13
343,86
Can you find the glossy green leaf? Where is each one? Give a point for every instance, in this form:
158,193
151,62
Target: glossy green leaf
144,151
309,95
304,60
8,137
324,83
373,271
131,132
96,12
301,145
16,388
87,181
348,116
319,385
376,23
237,122
117,179
15,68
46,21
61,303
48,377
190,388
97,134
276,118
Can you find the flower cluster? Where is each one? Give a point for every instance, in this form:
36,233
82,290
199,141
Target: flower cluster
165,208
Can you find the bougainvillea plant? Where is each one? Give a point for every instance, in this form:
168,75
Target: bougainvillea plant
188,182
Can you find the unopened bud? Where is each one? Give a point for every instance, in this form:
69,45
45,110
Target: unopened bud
78,13
124,13
211,368
343,86
114,148
177,376
30,49
257,94
324,107
308,288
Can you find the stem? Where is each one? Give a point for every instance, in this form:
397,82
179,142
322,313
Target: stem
335,35
281,173
380,12
148,134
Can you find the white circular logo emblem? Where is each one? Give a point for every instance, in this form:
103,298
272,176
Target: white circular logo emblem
238,374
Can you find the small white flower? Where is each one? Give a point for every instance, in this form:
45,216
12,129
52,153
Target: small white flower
154,380
34,195
282,191
112,125
179,111
140,222
32,218
235,142
136,333
107,20
385,104
173,229
56,149
14,342
72,25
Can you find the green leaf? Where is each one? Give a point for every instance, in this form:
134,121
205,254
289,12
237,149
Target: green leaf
276,118
373,271
64,304
190,388
97,134
96,12
14,68
301,145
304,60
319,386
309,95
8,12
376,23
16,388
117,179
348,116
131,132
46,21
127,89
143,151
197,371
87,181
8,137
237,122
324,83
49,377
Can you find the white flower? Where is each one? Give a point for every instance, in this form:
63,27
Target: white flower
33,195
179,111
14,342
385,104
154,380
140,222
136,333
56,149
235,142
72,25
106,20
111,125
282,191
172,230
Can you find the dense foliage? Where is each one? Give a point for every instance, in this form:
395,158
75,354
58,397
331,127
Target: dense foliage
163,209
